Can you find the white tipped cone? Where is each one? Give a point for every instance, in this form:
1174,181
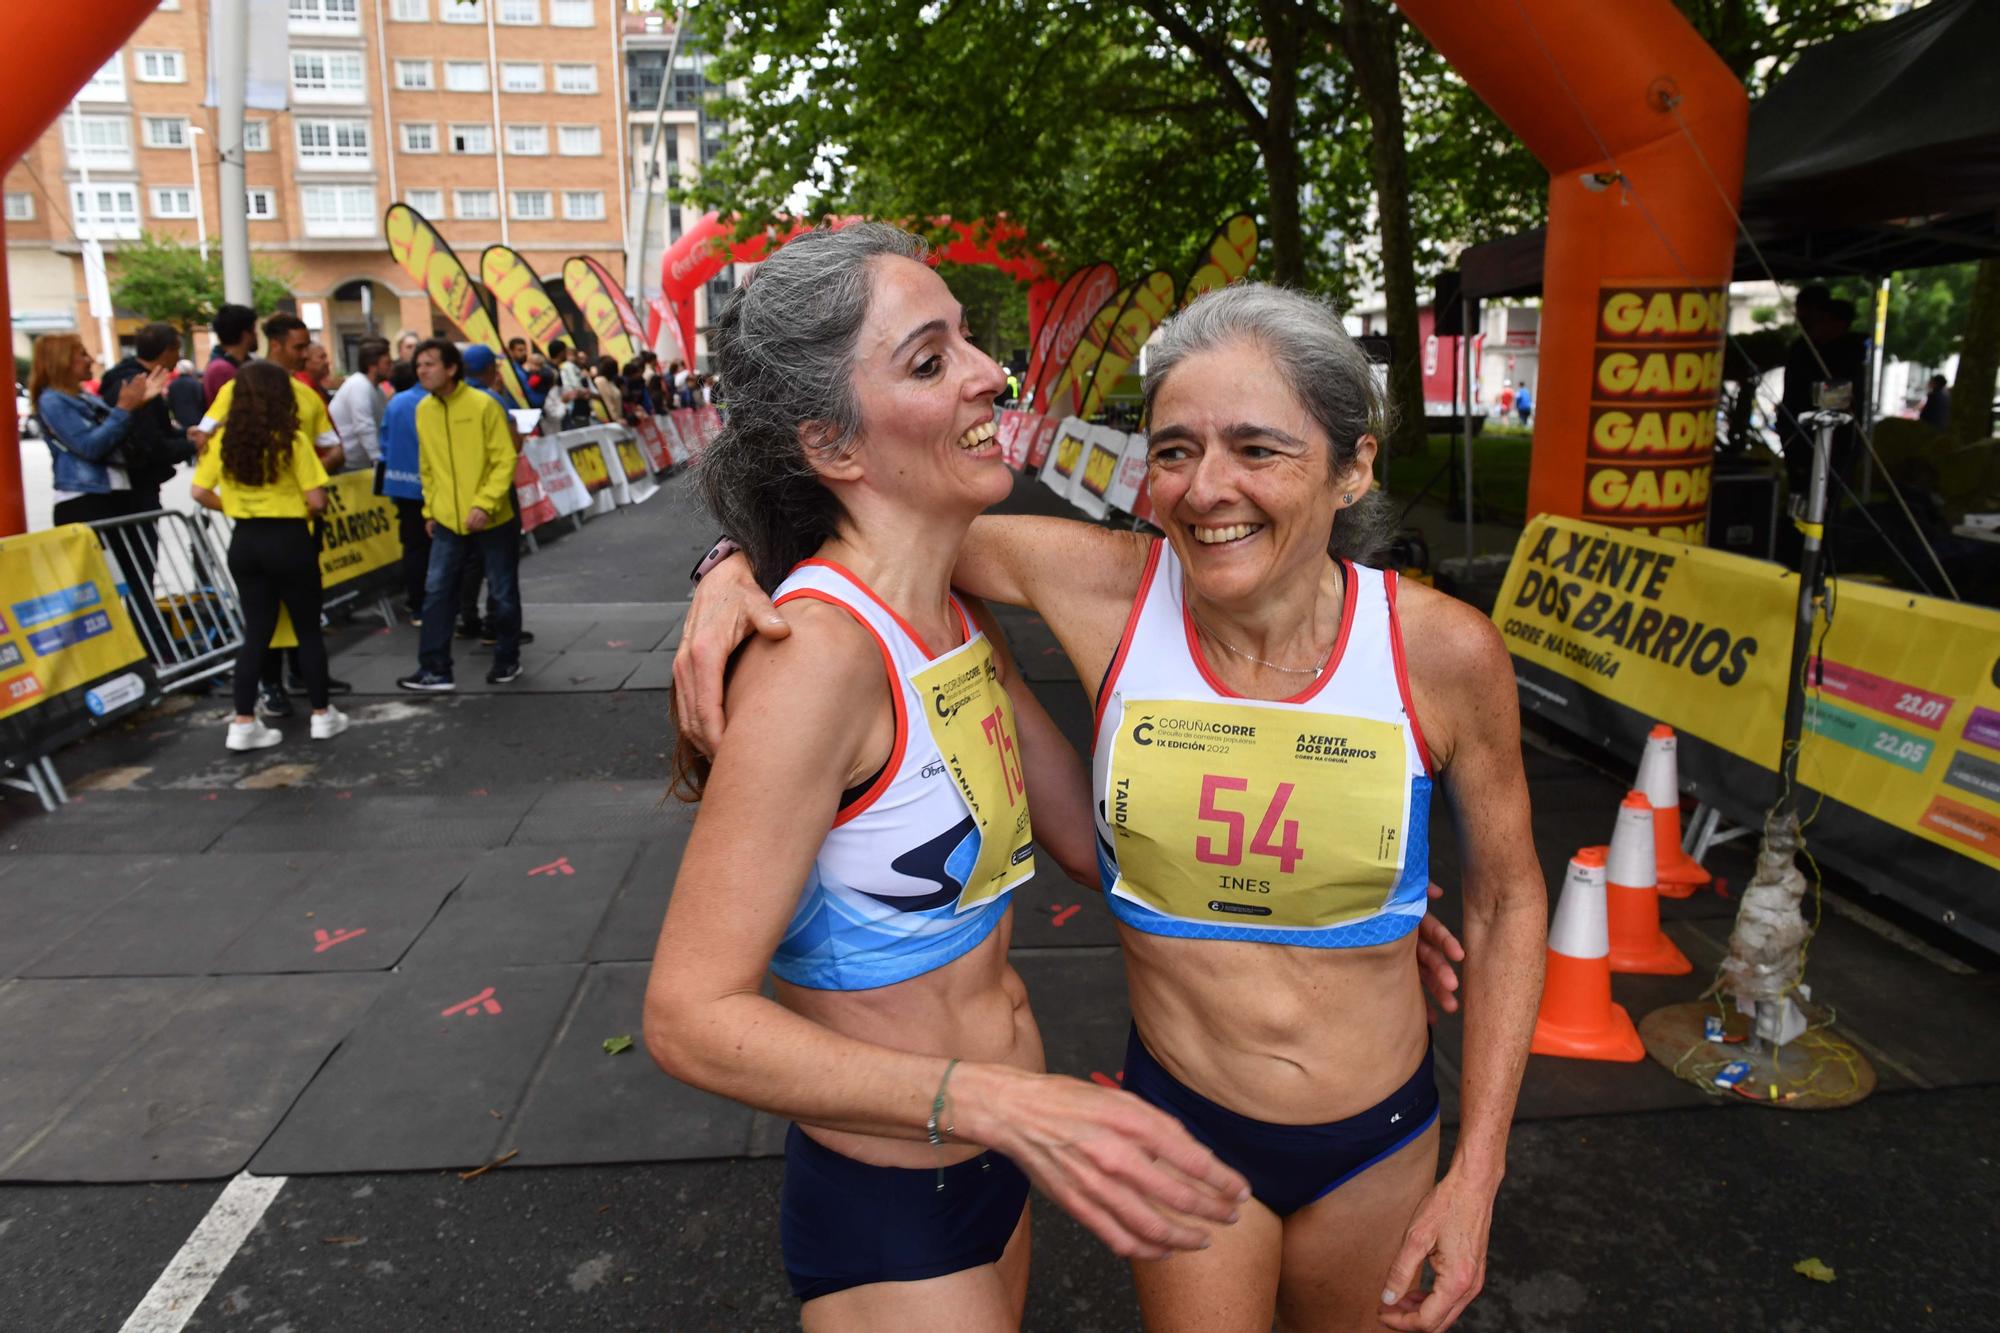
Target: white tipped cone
1580,928
1630,862
1659,770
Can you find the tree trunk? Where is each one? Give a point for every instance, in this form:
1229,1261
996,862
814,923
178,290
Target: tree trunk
1978,359
1369,33
1281,150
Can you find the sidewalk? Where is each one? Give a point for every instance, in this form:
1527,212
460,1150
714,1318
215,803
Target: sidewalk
367,965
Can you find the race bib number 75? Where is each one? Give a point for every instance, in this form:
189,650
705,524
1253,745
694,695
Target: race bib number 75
969,716
1232,813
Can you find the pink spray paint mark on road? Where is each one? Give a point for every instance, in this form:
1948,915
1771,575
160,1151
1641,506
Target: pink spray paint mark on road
326,939
1115,1081
559,866
480,1003
1066,913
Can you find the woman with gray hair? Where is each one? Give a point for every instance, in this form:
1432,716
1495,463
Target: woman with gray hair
1272,715
862,826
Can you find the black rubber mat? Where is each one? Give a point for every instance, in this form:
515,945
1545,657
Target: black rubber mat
57,1036
182,919
362,820
359,912
129,821
428,1077
589,1105
576,812
47,899
523,905
631,925
198,1098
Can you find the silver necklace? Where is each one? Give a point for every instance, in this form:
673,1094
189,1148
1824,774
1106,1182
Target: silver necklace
1290,671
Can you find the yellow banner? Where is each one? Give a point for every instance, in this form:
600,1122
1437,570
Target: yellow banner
1151,301
600,300
1655,373
1227,257
415,244
1067,396
62,623
1903,712
358,532
519,292
588,460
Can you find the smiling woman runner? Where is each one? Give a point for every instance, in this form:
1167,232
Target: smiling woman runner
862,826
1271,718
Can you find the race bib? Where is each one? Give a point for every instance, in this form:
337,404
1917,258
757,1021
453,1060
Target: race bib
972,722
1240,815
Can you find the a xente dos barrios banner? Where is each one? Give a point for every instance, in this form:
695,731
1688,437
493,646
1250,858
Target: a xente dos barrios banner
521,294
1654,377
1225,259
619,333
1612,631
415,244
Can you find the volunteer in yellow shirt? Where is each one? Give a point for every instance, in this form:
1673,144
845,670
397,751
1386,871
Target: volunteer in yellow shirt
260,469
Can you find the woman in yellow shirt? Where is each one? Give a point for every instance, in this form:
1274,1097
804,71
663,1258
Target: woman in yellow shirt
261,469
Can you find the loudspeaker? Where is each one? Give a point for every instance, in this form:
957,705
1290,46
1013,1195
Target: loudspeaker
1448,312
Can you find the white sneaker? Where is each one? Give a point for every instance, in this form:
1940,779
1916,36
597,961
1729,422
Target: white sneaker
254,735
327,725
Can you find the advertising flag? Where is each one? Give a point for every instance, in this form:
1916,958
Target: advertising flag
1228,255
1098,285
415,244
1151,301
519,292
1067,395
620,336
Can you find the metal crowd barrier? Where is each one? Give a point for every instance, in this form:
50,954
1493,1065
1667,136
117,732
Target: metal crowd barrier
174,570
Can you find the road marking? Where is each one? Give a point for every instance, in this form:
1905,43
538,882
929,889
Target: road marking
112,779
180,1290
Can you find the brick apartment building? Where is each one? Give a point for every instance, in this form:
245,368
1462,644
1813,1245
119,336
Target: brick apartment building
500,120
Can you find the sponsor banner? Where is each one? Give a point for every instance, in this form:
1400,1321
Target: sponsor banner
632,464
1151,301
415,244
1226,259
653,440
560,485
1044,333
532,502
1059,471
1041,442
1013,445
357,533
1128,484
1067,395
521,294
65,635
1613,630
708,421
1103,447
1655,371
1097,286
604,307
586,456
693,443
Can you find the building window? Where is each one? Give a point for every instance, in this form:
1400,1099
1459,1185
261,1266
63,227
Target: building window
475,205
333,144
256,136
428,202
572,13
520,76
579,141
472,138
98,141
106,212
414,75
108,84
20,206
411,11
172,201
520,11
576,78
419,137
460,11
465,76
160,67
325,16
166,132
528,140
263,204
583,205
529,205
327,76
338,210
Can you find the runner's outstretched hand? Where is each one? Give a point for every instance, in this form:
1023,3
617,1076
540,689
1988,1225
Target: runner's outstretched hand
728,607
1437,950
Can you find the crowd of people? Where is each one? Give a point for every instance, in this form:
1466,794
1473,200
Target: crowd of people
429,419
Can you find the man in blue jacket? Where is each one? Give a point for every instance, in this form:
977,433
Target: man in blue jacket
402,483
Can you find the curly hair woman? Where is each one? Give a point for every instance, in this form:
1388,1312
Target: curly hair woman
261,470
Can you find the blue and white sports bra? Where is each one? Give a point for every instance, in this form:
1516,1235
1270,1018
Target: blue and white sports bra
1302,821
918,865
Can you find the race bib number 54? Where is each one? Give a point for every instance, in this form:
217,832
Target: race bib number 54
973,723
1232,813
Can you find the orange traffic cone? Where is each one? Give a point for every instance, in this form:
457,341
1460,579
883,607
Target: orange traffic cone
1633,904
1678,873
1577,1018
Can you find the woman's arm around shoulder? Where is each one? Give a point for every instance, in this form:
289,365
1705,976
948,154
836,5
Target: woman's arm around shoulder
1026,560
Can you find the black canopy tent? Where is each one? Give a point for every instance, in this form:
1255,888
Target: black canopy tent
1878,151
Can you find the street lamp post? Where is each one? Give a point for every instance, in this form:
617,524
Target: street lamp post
200,222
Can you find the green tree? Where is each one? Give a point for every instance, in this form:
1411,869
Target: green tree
161,279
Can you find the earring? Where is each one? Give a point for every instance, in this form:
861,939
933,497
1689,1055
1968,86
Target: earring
1347,497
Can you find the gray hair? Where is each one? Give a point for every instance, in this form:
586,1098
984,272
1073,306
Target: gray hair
1324,368
784,346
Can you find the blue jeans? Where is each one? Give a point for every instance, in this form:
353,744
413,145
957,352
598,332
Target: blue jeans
500,547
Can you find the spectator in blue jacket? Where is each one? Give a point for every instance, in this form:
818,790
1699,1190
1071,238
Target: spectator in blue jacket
83,432
402,483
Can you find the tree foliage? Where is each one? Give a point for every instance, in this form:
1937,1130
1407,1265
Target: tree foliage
161,279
